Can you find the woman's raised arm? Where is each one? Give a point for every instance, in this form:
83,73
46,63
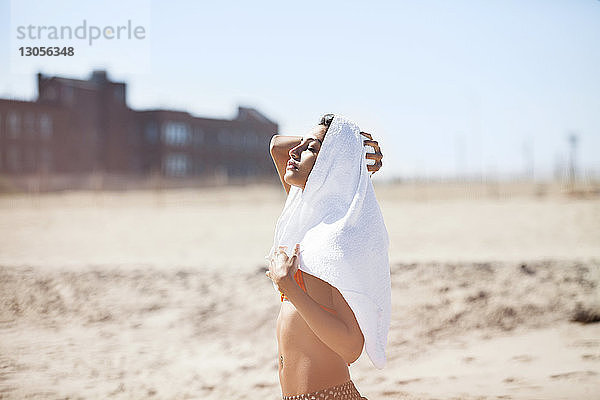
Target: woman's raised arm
280,149
280,152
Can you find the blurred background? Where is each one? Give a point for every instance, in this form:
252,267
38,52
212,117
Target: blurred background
138,197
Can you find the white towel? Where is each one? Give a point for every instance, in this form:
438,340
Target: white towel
343,239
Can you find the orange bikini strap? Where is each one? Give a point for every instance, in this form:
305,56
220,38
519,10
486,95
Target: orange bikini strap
331,310
300,279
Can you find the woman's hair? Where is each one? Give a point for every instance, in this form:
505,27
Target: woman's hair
326,121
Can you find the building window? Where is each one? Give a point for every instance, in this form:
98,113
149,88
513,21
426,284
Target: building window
13,122
176,134
45,126
68,94
250,140
29,159
13,158
250,170
49,93
198,137
237,139
151,132
45,159
176,164
198,167
224,137
119,92
29,123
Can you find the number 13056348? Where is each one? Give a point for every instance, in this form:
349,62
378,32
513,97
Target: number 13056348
46,51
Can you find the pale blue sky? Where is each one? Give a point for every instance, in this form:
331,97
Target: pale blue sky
443,85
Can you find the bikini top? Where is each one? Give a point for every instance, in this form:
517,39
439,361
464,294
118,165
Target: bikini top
300,280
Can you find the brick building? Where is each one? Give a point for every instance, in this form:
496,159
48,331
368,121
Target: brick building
85,126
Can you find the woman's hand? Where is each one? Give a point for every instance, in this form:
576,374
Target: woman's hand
377,156
283,268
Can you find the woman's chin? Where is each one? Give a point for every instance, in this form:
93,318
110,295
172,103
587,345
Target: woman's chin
291,179
288,177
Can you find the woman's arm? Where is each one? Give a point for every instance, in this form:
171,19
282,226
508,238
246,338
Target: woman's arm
280,149
339,333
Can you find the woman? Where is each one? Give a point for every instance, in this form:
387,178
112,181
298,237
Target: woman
320,326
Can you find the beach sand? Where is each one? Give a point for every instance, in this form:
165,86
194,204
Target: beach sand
162,295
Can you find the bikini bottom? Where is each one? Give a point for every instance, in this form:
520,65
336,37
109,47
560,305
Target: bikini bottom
345,391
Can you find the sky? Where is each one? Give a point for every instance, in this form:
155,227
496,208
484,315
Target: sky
448,88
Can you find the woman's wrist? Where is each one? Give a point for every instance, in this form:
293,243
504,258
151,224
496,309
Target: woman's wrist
285,284
283,144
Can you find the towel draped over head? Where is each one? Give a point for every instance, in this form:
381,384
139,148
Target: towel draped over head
343,239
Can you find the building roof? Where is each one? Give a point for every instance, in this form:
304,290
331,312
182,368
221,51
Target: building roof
252,113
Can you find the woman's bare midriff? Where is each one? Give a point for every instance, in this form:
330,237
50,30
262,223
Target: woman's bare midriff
306,364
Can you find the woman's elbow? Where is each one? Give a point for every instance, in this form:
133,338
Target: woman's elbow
273,143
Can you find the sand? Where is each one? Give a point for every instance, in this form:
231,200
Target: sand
162,295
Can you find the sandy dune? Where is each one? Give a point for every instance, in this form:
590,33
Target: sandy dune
145,295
